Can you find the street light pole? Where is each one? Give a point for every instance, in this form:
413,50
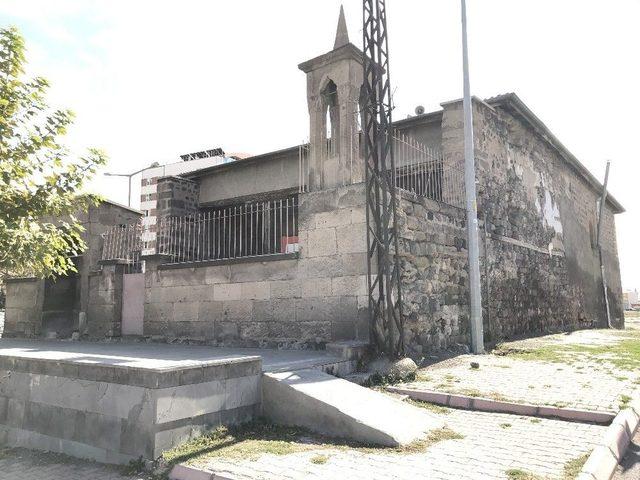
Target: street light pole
475,296
129,176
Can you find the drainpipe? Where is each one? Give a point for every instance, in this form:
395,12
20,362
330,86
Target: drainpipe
603,198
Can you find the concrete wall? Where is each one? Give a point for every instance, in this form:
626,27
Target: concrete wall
302,301
273,172
113,414
426,129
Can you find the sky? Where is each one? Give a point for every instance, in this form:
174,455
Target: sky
150,79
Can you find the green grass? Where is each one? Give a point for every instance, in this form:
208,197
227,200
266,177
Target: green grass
572,467
432,407
517,474
535,420
254,439
624,401
319,459
571,470
505,425
423,377
623,355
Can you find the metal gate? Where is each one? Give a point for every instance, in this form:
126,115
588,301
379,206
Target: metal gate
132,303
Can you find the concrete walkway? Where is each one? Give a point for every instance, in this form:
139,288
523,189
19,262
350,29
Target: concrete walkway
20,464
587,381
492,445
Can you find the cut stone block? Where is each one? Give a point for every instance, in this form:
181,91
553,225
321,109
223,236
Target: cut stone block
336,407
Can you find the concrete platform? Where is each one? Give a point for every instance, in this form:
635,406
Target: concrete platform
114,402
163,356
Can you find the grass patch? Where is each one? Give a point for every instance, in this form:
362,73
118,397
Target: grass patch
572,467
517,474
134,467
432,407
624,401
251,440
470,392
623,355
319,459
505,425
535,420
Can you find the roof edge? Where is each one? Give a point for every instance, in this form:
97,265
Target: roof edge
512,100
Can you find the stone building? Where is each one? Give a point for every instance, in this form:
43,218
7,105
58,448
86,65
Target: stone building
37,307
270,250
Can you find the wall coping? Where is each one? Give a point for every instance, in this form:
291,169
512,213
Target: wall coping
231,261
113,261
21,279
138,376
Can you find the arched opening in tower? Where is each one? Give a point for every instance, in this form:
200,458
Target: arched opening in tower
332,118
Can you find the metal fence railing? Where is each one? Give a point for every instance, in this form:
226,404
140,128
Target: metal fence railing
420,169
124,243
249,230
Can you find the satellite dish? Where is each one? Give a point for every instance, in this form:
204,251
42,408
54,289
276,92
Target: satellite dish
419,110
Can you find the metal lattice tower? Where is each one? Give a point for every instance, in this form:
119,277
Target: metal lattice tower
385,300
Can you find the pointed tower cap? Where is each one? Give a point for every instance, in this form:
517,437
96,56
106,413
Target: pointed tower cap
342,35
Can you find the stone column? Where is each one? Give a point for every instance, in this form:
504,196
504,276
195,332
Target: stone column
151,280
104,311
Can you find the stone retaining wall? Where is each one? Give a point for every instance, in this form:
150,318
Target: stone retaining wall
115,414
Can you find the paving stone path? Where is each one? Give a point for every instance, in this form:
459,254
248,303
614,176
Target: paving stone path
492,445
21,464
587,383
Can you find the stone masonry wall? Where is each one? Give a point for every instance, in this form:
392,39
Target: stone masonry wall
528,291
540,215
298,301
23,307
433,265
177,196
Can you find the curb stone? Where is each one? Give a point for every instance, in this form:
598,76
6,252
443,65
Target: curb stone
466,402
185,472
603,461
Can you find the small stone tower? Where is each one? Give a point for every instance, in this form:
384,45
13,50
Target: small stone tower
334,83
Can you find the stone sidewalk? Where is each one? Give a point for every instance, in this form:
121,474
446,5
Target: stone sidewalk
581,380
493,445
21,464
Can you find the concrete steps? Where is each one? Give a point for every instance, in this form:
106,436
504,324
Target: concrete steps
336,407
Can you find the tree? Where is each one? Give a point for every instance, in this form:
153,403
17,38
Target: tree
40,185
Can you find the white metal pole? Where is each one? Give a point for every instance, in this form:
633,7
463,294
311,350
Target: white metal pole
603,199
130,177
475,296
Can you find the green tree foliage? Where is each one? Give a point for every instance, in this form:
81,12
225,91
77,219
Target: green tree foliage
40,184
